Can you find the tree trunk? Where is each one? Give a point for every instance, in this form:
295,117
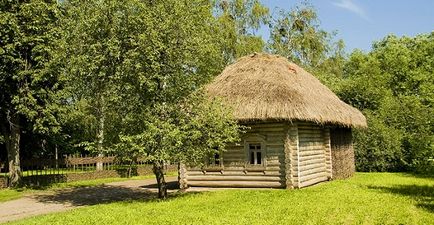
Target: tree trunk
13,148
56,156
100,133
158,169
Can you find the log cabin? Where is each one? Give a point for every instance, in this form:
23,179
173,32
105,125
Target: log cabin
298,131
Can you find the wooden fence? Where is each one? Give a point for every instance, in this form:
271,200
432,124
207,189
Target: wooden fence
76,164
40,172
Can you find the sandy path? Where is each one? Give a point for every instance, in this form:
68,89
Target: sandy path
65,199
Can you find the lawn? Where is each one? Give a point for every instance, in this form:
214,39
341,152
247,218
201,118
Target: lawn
367,198
11,194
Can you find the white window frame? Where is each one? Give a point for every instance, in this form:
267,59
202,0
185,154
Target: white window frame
257,148
255,139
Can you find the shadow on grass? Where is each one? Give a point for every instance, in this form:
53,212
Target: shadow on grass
419,175
103,194
423,194
173,185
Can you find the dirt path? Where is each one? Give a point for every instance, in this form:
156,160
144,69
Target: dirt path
65,199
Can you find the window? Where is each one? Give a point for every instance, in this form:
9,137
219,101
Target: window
255,154
216,159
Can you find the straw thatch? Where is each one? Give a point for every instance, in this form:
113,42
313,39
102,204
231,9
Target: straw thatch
264,87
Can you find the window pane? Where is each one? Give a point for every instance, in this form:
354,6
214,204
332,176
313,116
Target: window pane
217,159
252,157
258,158
252,147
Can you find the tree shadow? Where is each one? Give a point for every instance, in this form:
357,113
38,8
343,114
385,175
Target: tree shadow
427,176
85,196
103,194
172,185
423,194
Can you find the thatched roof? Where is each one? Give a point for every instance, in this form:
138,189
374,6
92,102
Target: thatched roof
269,87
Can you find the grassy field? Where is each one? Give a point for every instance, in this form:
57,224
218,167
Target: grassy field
374,198
11,194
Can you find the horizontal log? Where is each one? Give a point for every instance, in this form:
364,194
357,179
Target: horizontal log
315,140
307,123
309,177
273,164
276,162
234,151
312,157
193,173
235,178
265,130
233,164
311,162
240,158
318,135
310,146
276,149
275,145
275,157
211,172
275,168
261,125
279,136
229,184
303,153
231,152
243,173
307,172
310,166
313,181
265,133
309,129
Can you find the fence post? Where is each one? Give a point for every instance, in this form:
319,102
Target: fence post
99,164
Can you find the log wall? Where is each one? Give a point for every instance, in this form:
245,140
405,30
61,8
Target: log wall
236,170
312,166
291,156
296,155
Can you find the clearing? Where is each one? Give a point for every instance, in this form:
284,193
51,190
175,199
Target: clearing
367,198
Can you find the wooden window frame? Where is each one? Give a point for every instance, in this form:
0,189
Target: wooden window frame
210,164
255,139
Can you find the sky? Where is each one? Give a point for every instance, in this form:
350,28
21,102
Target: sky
360,22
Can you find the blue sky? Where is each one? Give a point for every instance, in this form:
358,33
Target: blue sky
360,22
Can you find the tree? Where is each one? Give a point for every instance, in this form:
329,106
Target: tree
95,35
189,132
146,61
29,90
297,36
394,86
237,22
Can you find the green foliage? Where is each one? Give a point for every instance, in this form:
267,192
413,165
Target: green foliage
297,36
237,22
141,64
187,132
374,198
393,85
379,147
27,33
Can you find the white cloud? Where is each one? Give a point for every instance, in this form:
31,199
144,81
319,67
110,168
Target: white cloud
352,7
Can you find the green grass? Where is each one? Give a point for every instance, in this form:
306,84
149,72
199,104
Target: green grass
367,198
11,194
